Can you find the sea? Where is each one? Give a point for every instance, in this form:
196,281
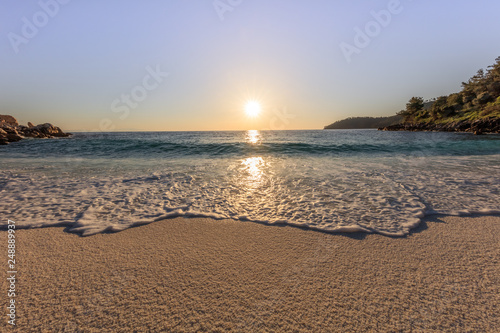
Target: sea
325,180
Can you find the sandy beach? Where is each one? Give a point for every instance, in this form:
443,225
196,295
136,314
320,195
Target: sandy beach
250,166
202,275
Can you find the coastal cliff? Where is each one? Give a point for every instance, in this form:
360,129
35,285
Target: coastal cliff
480,126
475,109
11,131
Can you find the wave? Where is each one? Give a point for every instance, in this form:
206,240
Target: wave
333,196
164,145
329,181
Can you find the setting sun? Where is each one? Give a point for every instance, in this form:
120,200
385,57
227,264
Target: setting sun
253,109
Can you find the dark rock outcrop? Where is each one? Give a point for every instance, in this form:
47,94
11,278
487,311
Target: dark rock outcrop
11,131
482,126
8,120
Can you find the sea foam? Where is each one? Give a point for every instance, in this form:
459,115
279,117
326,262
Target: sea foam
386,195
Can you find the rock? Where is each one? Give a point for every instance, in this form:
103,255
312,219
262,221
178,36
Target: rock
14,137
9,120
11,131
478,127
3,137
30,124
47,130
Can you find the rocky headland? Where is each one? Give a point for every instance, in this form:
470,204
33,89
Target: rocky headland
480,126
11,131
475,109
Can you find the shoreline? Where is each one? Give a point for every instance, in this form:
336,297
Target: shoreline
476,127
414,226
199,274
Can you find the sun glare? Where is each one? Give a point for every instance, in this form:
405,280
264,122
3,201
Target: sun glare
252,109
253,136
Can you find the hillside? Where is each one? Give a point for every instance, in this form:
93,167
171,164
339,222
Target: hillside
476,108
365,122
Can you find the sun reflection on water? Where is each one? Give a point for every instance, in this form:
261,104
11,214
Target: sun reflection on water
253,136
252,175
254,169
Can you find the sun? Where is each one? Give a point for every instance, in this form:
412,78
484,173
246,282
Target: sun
253,109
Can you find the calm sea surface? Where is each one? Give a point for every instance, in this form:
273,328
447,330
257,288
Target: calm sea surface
337,180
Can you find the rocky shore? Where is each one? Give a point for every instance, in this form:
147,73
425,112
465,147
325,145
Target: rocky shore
11,131
482,126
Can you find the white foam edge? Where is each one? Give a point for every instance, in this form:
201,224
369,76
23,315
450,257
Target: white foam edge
85,227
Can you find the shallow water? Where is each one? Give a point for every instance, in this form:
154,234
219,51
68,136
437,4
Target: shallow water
337,180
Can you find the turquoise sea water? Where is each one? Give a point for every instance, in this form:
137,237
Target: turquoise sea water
338,180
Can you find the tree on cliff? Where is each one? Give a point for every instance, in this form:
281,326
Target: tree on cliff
483,83
413,107
437,109
478,100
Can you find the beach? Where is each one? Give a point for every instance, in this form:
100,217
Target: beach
249,166
205,275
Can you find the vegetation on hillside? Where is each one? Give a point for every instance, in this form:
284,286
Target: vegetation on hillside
364,122
479,99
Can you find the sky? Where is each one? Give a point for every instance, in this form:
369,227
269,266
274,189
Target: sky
177,65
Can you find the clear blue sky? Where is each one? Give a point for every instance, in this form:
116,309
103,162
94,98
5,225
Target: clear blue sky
86,65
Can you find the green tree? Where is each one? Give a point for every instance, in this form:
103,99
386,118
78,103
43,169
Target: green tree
494,70
455,99
413,107
437,108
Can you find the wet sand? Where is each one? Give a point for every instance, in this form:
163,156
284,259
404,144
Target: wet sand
202,275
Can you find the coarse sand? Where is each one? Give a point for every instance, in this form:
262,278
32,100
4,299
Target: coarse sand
203,275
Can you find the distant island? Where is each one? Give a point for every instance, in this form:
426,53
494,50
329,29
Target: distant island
475,109
365,122
11,131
